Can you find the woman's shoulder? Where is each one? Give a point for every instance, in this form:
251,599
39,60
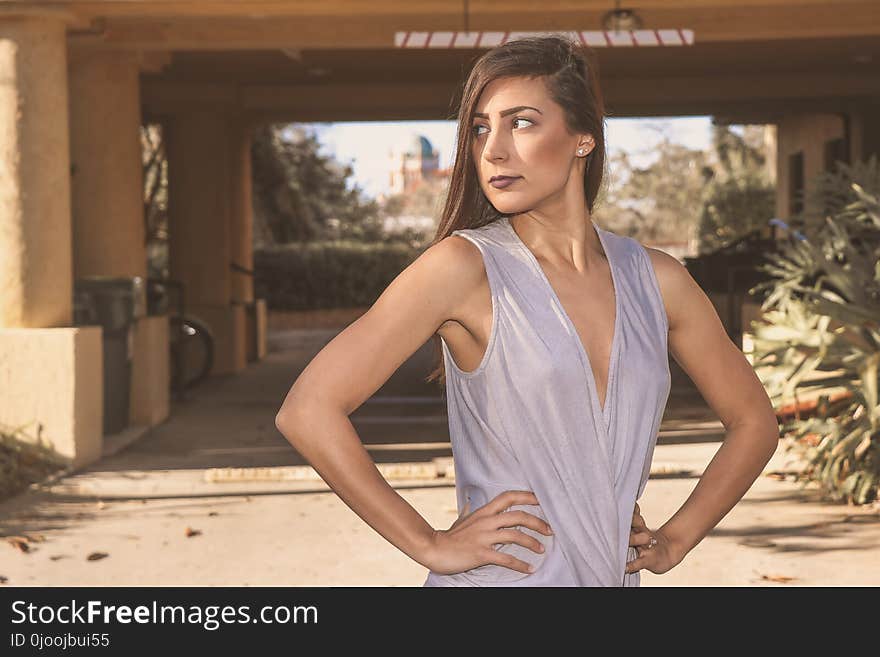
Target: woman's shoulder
491,231
661,269
677,286
668,268
460,256
489,239
661,261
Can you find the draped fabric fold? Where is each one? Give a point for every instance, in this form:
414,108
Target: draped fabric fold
529,416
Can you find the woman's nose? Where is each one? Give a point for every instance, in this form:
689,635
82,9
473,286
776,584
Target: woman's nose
494,149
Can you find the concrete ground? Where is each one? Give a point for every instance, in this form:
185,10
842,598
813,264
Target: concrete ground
216,496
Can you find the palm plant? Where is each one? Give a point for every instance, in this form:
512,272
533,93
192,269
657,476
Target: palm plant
820,337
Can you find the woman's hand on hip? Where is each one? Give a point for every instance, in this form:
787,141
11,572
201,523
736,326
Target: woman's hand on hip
468,542
656,552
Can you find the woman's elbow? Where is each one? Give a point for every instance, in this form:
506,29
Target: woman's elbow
302,418
762,430
768,430
289,421
293,410
281,420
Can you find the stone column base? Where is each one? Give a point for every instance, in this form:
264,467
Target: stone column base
52,386
150,375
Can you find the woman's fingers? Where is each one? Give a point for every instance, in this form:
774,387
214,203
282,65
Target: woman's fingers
642,556
509,561
636,564
638,521
654,552
508,498
639,534
642,538
519,517
520,538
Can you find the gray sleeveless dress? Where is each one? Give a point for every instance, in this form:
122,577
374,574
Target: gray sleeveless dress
528,417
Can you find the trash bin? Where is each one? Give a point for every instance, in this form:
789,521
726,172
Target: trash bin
112,303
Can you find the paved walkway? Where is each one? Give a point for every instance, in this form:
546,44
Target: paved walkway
216,496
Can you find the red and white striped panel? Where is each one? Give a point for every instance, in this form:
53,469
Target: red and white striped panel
593,38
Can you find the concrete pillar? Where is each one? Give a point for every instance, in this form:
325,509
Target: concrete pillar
35,231
199,206
241,234
107,191
107,198
200,249
50,372
804,133
241,214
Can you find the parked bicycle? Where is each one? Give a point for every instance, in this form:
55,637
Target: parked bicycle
191,341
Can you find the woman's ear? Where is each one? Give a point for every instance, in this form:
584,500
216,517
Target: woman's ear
585,145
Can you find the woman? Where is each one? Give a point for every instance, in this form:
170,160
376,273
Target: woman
556,336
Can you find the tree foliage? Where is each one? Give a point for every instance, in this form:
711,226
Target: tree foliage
820,338
739,195
713,195
302,195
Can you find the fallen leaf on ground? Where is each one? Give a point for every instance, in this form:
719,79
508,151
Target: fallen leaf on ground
778,578
94,556
192,532
20,542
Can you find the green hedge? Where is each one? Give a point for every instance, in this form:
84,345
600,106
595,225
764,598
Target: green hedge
323,275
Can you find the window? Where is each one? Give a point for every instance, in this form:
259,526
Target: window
796,183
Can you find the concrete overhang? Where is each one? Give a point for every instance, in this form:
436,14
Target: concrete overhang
750,61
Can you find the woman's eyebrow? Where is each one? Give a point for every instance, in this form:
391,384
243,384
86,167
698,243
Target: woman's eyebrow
509,110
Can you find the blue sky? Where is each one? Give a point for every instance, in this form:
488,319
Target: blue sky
365,145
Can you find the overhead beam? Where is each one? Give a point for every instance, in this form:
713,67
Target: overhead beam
242,24
760,112
688,95
279,8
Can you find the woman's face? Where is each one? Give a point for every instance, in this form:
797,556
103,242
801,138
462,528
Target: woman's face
532,143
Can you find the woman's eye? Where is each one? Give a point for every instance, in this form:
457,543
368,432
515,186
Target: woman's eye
476,128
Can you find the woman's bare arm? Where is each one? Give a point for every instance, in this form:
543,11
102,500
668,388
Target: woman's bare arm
352,366
728,383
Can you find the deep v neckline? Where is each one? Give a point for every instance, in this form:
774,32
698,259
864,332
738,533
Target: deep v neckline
605,409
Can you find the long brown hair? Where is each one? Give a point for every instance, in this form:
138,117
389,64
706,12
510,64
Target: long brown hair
570,72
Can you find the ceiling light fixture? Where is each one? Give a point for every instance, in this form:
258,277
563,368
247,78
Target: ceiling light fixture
621,20
621,27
